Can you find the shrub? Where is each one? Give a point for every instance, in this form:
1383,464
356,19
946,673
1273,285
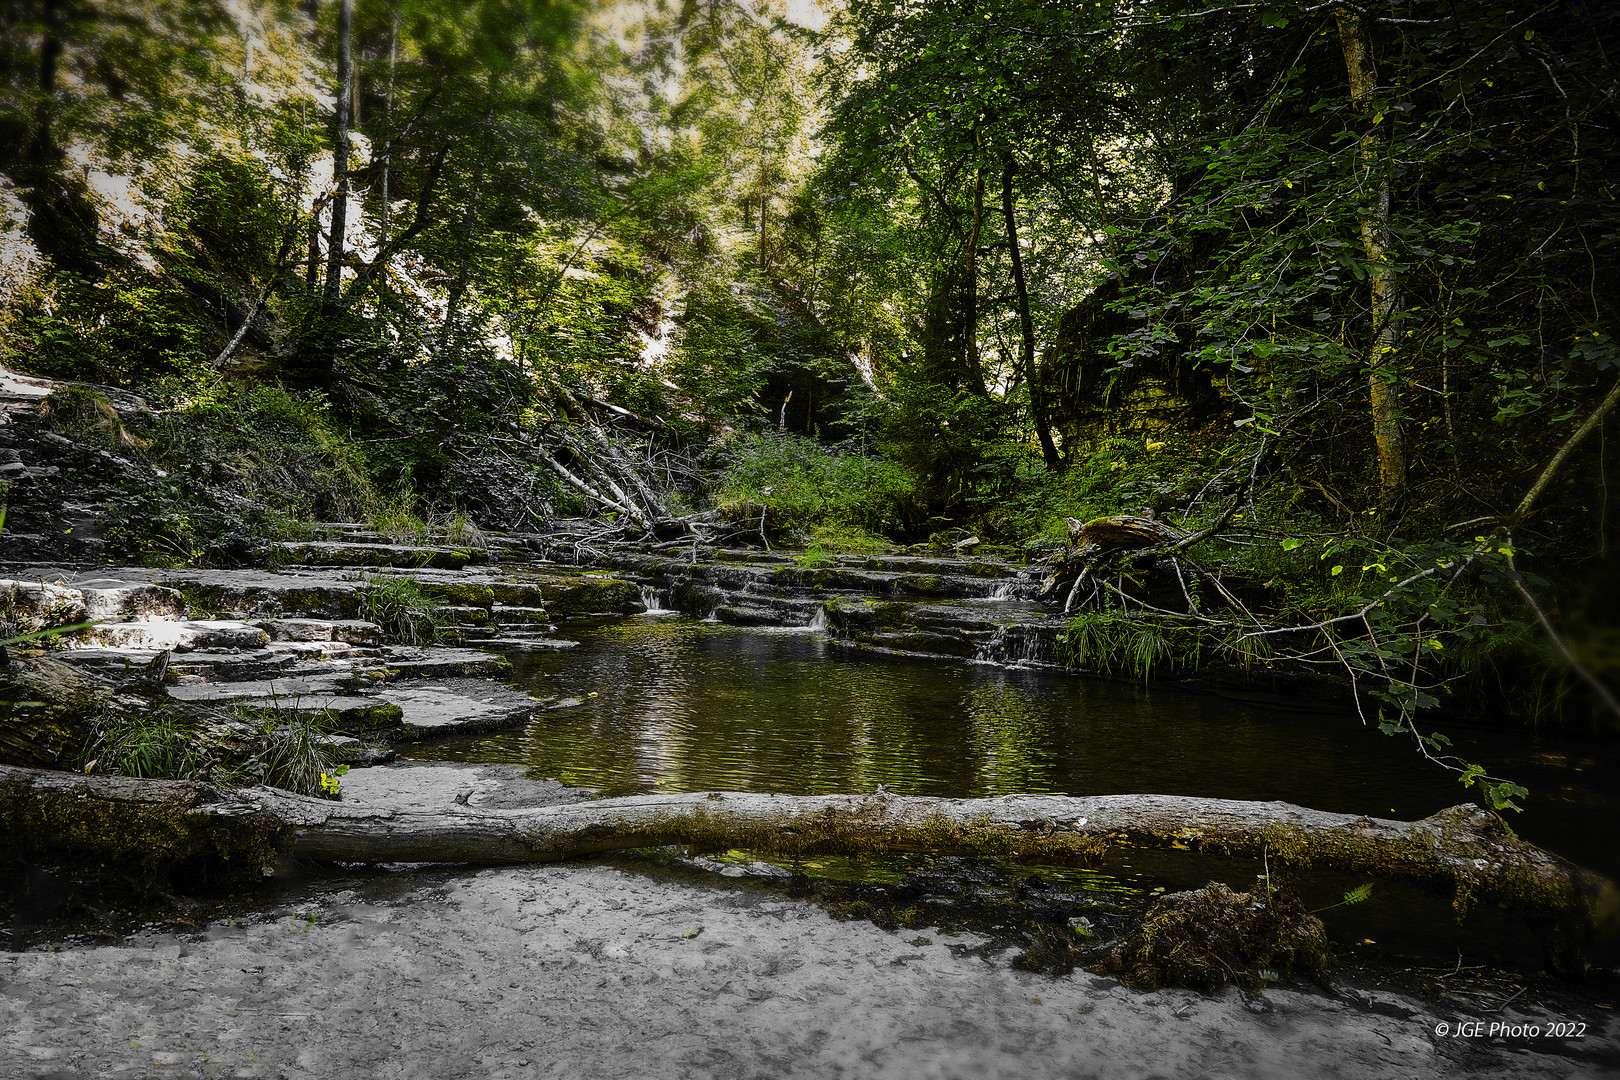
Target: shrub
126,327
842,498
272,446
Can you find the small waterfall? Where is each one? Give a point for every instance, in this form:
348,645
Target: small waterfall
1006,590
653,602
819,621
1016,645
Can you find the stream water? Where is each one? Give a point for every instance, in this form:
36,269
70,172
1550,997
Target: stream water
675,704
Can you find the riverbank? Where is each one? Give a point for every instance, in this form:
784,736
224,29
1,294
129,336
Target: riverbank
596,970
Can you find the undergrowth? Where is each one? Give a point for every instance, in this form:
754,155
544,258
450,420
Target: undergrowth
843,500
406,612
288,752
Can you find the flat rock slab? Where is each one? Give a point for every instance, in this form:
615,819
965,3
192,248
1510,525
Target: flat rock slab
395,712
92,598
292,691
598,972
522,643
435,785
327,593
351,631
181,636
301,697
417,662
437,709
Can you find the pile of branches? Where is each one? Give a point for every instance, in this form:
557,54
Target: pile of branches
630,471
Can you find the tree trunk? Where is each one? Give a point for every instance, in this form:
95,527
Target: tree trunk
388,156
42,147
1026,324
283,254
1382,278
340,161
138,829
1465,850
970,319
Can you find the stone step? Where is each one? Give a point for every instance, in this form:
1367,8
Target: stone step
181,636
419,662
226,666
918,643
355,553
462,616
350,631
395,712
57,603
325,650
508,615
521,642
458,707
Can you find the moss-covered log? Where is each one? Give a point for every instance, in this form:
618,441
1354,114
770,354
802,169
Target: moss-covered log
1465,851
45,711
141,831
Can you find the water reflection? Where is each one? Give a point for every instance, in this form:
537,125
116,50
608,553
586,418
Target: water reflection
682,705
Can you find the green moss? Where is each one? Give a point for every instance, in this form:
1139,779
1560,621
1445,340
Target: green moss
855,833
364,718
581,596
461,593
200,601
143,837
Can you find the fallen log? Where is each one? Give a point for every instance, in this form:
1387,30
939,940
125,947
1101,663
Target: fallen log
1098,543
1464,850
1119,532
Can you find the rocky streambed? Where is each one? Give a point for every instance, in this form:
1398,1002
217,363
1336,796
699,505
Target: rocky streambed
309,636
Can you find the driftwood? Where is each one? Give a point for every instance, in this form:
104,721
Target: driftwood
1119,532
1096,544
1465,850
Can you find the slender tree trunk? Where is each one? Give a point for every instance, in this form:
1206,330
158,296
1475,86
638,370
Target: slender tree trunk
764,209
388,158
42,147
312,265
1591,423
283,257
1382,277
458,287
970,314
340,160
1026,324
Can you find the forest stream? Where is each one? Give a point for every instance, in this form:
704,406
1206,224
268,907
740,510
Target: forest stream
826,539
